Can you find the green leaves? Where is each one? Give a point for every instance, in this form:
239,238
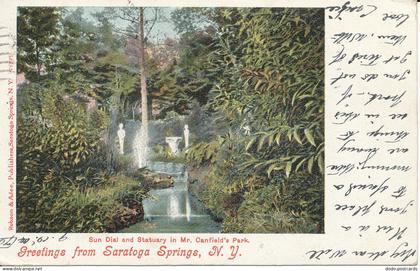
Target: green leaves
307,30
275,86
309,136
273,167
310,164
250,143
261,142
321,163
37,31
298,134
288,168
202,153
297,137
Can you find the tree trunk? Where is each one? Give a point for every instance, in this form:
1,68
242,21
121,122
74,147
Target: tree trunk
143,86
38,65
150,107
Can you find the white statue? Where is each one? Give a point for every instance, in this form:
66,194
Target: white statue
121,136
186,135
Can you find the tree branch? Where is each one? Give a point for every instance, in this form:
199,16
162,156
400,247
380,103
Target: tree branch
125,32
125,19
153,22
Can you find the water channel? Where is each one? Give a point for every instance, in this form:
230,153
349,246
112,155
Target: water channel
174,209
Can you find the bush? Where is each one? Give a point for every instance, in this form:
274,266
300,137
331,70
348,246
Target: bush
106,208
269,176
124,163
162,153
63,184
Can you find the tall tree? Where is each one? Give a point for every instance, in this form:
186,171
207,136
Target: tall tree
107,38
139,29
37,29
188,78
143,85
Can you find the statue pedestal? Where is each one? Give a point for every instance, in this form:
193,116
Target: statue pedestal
173,142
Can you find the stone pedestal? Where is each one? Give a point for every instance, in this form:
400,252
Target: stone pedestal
173,142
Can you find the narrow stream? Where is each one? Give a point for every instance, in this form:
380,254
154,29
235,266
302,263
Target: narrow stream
173,210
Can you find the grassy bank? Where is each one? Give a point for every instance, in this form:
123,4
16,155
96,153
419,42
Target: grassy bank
106,208
268,209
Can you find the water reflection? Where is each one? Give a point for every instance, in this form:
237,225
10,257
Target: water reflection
173,209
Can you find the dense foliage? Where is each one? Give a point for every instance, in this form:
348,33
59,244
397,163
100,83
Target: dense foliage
248,82
64,183
36,27
267,161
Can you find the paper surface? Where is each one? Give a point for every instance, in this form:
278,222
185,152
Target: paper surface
370,156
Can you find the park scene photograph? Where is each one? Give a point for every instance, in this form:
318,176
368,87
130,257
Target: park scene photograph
170,120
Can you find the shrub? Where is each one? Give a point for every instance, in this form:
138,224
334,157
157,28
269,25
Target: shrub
124,163
268,177
105,208
63,184
163,153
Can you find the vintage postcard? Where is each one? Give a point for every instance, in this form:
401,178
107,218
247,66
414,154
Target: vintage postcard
222,133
